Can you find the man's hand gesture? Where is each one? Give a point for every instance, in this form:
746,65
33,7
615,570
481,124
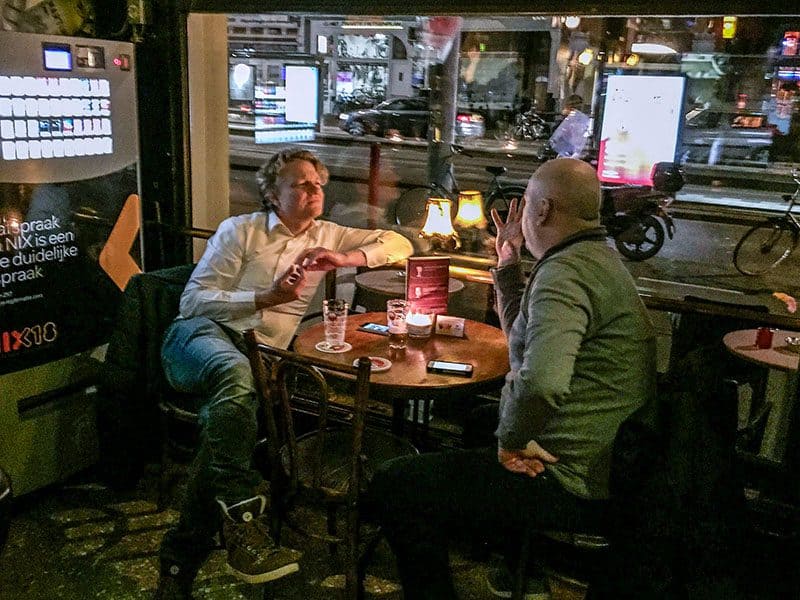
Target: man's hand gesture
321,259
509,240
529,461
285,288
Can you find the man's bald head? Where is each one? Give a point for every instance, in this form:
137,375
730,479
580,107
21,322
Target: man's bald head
572,187
562,198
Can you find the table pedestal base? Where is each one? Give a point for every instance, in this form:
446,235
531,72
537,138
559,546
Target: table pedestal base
781,390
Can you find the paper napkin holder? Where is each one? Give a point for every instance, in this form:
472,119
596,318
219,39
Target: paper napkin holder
447,325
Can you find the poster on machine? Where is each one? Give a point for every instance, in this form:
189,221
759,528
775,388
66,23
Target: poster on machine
69,203
641,124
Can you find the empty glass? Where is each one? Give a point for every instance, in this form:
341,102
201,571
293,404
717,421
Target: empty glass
396,311
334,313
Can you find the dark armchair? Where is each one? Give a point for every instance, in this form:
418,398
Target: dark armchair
133,381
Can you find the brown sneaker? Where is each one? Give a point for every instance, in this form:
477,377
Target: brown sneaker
252,555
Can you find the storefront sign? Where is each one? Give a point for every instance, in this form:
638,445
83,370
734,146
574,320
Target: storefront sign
641,122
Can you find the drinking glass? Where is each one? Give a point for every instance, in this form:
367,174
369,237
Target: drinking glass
764,337
334,313
396,311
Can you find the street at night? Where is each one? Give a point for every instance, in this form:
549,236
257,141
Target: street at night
698,261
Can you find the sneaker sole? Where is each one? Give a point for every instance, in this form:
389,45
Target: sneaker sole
264,577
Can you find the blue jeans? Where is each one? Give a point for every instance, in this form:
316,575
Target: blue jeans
203,358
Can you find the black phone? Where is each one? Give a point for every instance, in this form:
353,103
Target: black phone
450,368
375,328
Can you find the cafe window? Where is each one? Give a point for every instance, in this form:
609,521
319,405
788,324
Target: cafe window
517,77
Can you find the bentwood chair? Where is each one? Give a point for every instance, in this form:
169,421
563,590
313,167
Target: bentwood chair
5,507
327,468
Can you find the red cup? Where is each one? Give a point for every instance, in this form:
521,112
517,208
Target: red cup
764,338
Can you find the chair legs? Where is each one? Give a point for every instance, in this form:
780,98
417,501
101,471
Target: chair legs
332,529
588,553
521,573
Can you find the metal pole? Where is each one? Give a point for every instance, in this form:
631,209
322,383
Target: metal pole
444,100
374,182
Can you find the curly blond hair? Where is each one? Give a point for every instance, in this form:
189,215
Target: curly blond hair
267,175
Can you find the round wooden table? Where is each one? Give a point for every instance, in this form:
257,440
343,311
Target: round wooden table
374,288
408,381
483,346
780,356
782,362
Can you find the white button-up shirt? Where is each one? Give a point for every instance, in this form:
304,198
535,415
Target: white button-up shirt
249,252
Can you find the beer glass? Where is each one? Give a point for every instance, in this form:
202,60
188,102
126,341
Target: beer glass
334,313
396,311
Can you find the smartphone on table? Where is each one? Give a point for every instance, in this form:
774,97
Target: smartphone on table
447,367
376,328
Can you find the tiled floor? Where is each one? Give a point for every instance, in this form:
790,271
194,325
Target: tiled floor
81,540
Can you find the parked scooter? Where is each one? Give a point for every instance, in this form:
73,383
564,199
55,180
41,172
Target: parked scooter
636,216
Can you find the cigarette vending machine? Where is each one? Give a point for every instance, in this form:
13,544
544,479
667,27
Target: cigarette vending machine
70,239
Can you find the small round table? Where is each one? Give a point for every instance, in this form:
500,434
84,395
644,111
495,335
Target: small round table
483,346
374,288
782,362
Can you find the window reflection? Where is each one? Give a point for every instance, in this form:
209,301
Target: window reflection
524,84
518,77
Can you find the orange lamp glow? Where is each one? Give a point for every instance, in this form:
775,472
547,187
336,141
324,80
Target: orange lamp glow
470,210
439,224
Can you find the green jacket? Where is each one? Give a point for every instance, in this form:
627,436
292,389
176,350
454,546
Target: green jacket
582,355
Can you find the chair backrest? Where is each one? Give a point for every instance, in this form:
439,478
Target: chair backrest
281,376
133,381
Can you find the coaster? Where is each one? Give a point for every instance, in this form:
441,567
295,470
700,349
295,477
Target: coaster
323,347
378,364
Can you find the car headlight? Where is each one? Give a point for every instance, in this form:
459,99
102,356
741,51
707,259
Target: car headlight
344,116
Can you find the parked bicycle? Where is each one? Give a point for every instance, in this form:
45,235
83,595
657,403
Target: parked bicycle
409,209
529,125
767,244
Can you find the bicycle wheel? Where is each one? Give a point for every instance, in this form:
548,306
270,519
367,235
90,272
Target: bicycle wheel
500,199
409,208
764,247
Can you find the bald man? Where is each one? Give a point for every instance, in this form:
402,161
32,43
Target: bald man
582,356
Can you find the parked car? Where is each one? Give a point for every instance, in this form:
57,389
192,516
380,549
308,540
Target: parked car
407,117
713,136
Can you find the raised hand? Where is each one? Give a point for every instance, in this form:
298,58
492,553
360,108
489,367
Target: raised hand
509,240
